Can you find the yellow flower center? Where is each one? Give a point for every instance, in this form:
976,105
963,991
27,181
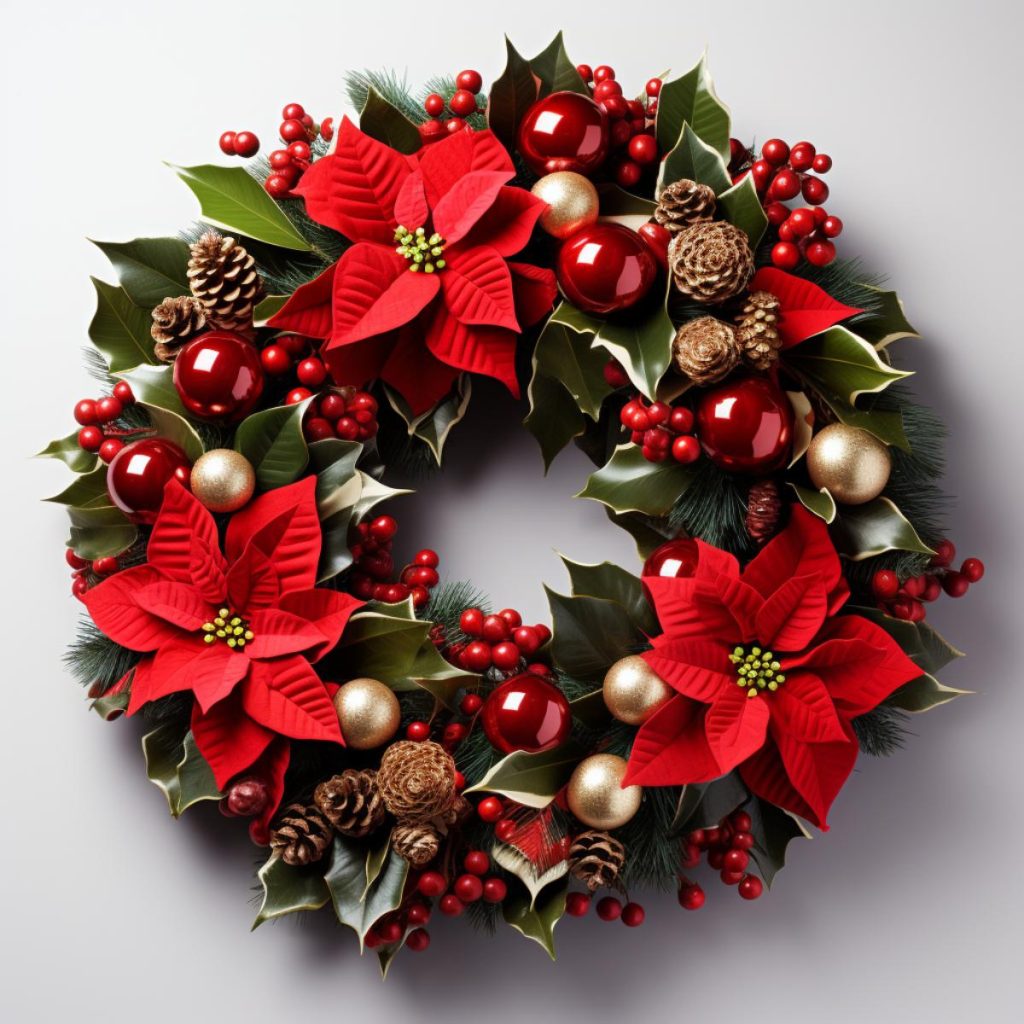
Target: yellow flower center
231,628
423,253
757,670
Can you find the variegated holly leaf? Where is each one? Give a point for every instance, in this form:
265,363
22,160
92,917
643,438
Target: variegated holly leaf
532,780
175,766
511,96
922,643
119,329
886,324
691,99
536,918
86,491
773,829
627,482
272,440
287,890
705,804
621,207
555,71
100,532
434,426
71,453
923,693
153,388
611,583
690,157
526,871
821,503
863,531
383,121
742,208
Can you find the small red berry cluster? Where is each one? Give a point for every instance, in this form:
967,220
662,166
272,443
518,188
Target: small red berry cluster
906,600
95,415
498,641
632,140
727,847
664,431
239,144
342,412
374,566
453,733
84,571
298,131
461,104
609,908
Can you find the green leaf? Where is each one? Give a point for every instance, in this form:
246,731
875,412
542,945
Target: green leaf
511,96
742,208
433,426
518,864
627,482
175,766
691,158
648,533
358,905
589,634
386,123
153,387
611,583
100,532
149,269
273,442
886,425
267,307
556,71
88,491
110,706
567,357
195,777
536,919
590,710
820,502
554,418
376,858
575,319
691,99
621,207
643,347
923,694
863,531
231,199
287,890
532,779
71,453
120,329
773,830
886,325
704,804
924,645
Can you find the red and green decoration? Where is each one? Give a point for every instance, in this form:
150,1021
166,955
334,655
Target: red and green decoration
664,297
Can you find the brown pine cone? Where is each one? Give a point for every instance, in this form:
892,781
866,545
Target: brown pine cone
301,835
596,858
351,803
223,277
418,844
460,810
764,507
175,321
705,350
710,261
757,330
684,203
417,781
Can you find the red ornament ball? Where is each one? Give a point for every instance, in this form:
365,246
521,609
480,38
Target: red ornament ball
526,713
138,473
605,268
219,376
565,131
676,558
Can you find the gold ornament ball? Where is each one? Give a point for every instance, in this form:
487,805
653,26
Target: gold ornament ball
368,712
596,795
633,691
223,480
572,202
851,463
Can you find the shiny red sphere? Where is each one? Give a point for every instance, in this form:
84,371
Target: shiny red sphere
219,376
526,713
746,425
138,473
606,268
676,558
565,131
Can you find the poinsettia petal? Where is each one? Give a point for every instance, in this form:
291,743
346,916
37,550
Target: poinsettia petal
805,308
279,632
476,349
478,289
229,740
328,610
411,210
765,776
671,749
508,225
178,603
790,619
271,768
444,163
140,679
211,671
354,189
695,667
736,726
719,606
859,663
415,373
253,581
802,707
308,310
459,209
286,695
359,363
535,289
117,614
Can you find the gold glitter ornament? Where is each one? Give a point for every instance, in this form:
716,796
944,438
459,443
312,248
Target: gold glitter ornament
223,480
852,464
595,792
572,201
633,691
368,712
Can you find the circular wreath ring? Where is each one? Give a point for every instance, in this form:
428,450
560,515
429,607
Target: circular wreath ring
396,745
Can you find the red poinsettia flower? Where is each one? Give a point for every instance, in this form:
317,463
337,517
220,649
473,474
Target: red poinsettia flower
238,629
768,679
418,306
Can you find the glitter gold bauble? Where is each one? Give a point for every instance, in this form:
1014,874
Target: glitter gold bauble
852,464
572,202
596,795
368,712
633,691
223,480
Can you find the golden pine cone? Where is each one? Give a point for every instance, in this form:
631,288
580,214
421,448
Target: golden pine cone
418,844
301,835
417,781
223,277
596,858
352,803
757,330
764,508
705,350
683,203
710,261
175,321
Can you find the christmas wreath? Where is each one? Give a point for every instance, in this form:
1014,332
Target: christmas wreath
674,300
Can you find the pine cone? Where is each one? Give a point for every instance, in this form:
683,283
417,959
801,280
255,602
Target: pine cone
301,835
705,350
764,507
223,277
596,858
418,844
757,330
351,803
417,781
684,203
175,321
460,810
710,261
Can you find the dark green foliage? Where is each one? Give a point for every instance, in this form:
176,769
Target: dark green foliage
882,731
448,602
714,508
652,855
94,658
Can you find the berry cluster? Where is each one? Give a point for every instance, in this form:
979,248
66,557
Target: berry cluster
906,600
608,909
727,848
84,572
632,140
342,412
453,733
374,566
95,415
239,144
664,431
446,117
499,642
298,131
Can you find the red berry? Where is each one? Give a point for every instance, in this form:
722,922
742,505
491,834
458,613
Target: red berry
420,596
123,392
686,449
777,213
603,72
715,859
247,144
751,887
476,862
110,448
633,915
470,705
383,528
471,81
822,163
477,656
527,639
616,108
434,104
802,222
627,173
278,185
85,412
74,561
293,130
885,584
731,877
332,406
455,124
511,617
297,395
468,888
104,566
372,940
786,232
462,103
831,227
431,131
418,913
775,151
801,156
460,780
736,860
609,87
489,809
227,143
90,438
761,171
543,632
609,908
653,87
505,656
316,428
431,884
280,159
614,374
417,940
945,552
505,829
577,904
471,622
427,558
295,345
741,821
657,238
300,150
389,932
815,191
327,129
785,185
293,112
743,841
914,586
785,255
108,409
820,254
681,420
494,629
585,71
417,731
956,584
451,905
973,569
932,589
347,429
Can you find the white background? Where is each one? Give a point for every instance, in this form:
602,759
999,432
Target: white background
908,910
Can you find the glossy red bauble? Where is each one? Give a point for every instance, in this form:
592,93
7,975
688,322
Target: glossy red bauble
676,558
526,713
219,376
746,425
565,131
605,268
138,473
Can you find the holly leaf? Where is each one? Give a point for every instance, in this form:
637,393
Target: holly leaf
532,780
267,308
120,329
773,829
863,531
690,157
643,347
383,121
536,918
611,583
100,532
821,503
359,905
566,356
110,706
153,387
287,890
621,207
87,491
554,418
923,694
887,323
512,94
742,208
149,269
555,71
691,99
71,453
627,482
590,710
231,199
923,644
705,804
273,442
175,766
575,319
589,634
518,864
434,426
